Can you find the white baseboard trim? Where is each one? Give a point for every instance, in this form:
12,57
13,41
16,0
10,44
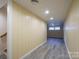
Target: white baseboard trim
65,39
32,50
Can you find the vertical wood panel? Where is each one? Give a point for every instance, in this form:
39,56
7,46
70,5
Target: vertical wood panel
28,31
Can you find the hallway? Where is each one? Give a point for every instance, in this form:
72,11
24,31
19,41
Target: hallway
32,21
39,29
53,49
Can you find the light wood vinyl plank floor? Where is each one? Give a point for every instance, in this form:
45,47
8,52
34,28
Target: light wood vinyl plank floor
53,49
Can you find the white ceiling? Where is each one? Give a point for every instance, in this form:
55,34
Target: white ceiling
2,3
58,8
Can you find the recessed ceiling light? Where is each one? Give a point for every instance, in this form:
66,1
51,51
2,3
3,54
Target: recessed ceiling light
51,18
47,12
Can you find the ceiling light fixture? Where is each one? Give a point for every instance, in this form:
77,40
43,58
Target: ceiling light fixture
36,1
51,18
47,12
